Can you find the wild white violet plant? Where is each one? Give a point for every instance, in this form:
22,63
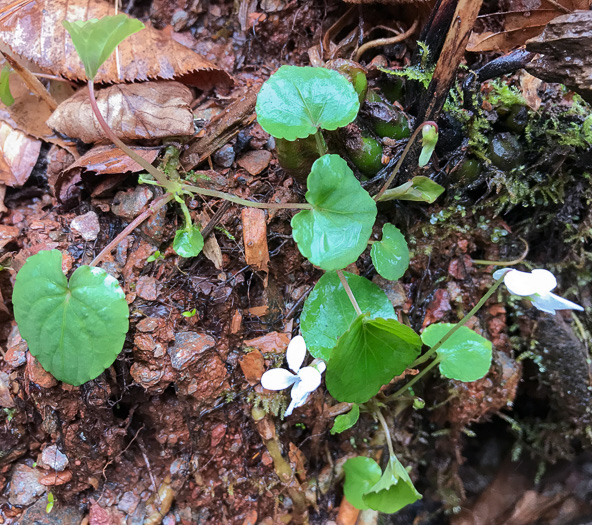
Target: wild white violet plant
303,381
537,286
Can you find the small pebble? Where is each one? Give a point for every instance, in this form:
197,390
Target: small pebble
224,157
87,226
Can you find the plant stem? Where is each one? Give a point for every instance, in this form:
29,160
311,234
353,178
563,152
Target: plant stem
245,202
153,208
415,379
321,144
156,173
387,433
403,155
506,263
460,324
349,292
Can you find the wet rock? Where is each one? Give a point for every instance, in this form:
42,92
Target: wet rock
16,353
104,516
6,400
253,366
188,348
154,227
274,342
224,157
24,486
255,161
52,457
148,324
145,376
59,515
87,226
128,503
147,288
565,48
56,478
37,374
8,234
210,381
129,204
394,290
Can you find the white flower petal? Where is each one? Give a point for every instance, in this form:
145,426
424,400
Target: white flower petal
278,379
545,279
296,352
522,283
310,379
550,303
295,404
498,273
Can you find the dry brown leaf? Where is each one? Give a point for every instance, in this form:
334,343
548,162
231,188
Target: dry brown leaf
35,32
255,238
110,160
519,25
19,153
501,42
529,86
134,111
29,113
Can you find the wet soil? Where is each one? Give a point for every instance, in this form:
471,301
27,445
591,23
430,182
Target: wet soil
166,435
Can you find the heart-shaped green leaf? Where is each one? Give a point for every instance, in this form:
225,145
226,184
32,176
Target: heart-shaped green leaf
345,421
390,255
95,40
188,242
336,231
369,355
328,312
75,329
5,94
361,473
297,101
393,491
466,356
419,189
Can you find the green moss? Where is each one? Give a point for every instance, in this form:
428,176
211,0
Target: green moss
503,96
420,73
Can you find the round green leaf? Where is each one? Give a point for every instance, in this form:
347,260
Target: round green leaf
188,242
345,421
297,101
393,491
328,312
390,255
466,356
361,473
369,355
75,329
336,231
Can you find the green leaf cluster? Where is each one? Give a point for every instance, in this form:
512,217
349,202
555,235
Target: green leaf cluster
188,242
74,328
464,356
366,487
328,312
335,232
5,94
95,40
296,102
368,356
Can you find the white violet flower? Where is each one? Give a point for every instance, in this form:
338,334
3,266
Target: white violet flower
304,380
537,286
